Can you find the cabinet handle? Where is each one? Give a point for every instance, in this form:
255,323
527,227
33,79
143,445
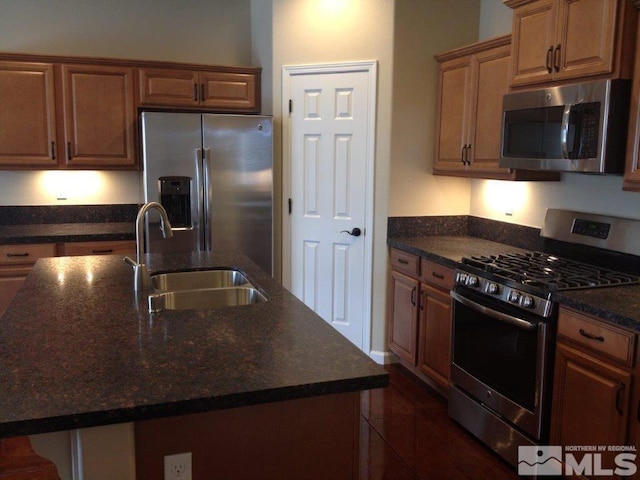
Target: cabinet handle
591,336
467,155
437,275
10,255
421,300
403,261
413,296
556,58
53,150
464,155
195,92
68,150
106,250
619,399
202,92
549,65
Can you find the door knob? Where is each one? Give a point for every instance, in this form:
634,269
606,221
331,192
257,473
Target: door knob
356,232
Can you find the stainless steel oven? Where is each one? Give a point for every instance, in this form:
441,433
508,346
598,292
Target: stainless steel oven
504,323
502,360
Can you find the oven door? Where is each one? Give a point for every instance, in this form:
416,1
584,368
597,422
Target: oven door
502,358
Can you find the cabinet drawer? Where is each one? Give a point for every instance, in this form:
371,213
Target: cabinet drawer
436,274
405,262
125,247
599,337
25,254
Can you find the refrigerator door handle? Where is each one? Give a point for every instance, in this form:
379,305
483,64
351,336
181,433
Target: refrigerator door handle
206,213
199,196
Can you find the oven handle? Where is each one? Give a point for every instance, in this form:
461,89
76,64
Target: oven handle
503,317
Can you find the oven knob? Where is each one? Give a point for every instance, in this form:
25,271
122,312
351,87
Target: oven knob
527,301
460,278
472,281
492,288
514,296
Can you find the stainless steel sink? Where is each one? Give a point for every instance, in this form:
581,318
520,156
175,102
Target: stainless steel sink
197,279
205,299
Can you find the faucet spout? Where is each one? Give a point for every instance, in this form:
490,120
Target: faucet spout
139,268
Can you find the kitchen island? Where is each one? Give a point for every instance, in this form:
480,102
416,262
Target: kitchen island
79,348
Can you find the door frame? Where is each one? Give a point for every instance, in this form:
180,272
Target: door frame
289,71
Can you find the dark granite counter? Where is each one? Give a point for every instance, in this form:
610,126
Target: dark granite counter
66,232
78,348
617,305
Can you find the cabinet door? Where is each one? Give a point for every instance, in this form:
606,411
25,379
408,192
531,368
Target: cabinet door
586,38
435,334
27,115
492,73
403,316
591,401
534,41
122,247
632,162
454,110
99,116
169,87
230,91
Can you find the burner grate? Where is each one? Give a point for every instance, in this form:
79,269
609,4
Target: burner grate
549,272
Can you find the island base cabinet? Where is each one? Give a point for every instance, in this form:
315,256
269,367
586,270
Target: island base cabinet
18,461
310,438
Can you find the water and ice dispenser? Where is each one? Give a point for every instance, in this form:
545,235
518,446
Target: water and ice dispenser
175,197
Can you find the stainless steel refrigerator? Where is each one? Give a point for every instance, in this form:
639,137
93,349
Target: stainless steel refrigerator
214,176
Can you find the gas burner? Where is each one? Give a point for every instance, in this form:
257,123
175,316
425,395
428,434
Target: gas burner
548,272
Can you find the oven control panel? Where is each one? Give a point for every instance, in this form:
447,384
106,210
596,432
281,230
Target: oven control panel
539,306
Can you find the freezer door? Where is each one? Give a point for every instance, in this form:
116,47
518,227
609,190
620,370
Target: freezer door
239,185
172,150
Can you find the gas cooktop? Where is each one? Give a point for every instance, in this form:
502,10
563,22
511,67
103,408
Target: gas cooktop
548,272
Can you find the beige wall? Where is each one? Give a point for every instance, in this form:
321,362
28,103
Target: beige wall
423,29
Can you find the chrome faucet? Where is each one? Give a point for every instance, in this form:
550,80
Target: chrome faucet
141,275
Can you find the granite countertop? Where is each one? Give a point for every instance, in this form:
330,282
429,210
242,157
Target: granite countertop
616,305
66,232
79,348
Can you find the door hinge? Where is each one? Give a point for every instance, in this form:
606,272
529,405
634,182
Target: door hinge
290,106
290,203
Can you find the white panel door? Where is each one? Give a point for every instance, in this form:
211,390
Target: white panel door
331,164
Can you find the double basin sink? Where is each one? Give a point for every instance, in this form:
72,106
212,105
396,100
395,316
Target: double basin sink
201,289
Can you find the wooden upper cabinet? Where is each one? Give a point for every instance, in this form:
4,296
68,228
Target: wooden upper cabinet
632,164
454,108
471,83
214,90
534,39
99,116
27,115
569,39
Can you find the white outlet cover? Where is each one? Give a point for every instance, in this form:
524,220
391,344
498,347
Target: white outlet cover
177,466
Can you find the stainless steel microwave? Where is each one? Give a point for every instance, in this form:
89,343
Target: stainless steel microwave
570,128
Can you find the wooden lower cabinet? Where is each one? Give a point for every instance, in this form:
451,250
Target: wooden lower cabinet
419,317
124,247
593,387
434,351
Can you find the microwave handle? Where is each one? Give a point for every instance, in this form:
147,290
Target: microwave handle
564,130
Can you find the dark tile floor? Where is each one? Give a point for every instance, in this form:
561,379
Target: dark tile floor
405,433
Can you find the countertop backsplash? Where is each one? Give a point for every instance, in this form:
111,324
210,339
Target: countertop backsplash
463,225
36,215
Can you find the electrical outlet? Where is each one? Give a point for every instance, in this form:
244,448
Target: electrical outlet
177,466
